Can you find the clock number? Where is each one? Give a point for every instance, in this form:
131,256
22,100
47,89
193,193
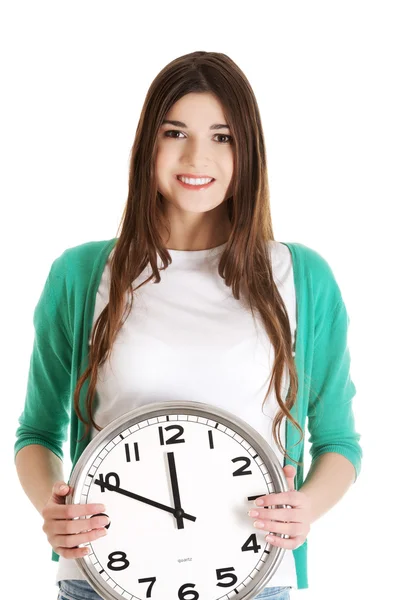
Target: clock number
221,576
128,453
211,439
108,477
153,580
251,544
183,594
174,439
240,470
112,558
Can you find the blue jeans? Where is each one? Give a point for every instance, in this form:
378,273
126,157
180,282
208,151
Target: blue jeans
78,589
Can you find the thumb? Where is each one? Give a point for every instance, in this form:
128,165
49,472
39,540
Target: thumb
290,473
59,491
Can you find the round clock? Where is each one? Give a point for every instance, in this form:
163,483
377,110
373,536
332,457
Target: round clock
177,480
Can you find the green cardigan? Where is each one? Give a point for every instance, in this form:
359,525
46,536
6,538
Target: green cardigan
63,320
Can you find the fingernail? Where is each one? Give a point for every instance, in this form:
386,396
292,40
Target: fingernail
258,524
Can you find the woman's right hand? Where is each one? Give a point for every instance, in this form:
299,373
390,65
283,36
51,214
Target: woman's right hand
63,532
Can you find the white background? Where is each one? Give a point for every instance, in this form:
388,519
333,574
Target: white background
325,74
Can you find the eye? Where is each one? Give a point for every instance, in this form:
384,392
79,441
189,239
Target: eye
171,131
223,135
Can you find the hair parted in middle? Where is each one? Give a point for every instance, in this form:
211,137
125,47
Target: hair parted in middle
245,263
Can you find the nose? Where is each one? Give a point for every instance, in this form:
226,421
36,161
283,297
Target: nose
195,153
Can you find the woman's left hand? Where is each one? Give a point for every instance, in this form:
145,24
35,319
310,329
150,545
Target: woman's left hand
295,521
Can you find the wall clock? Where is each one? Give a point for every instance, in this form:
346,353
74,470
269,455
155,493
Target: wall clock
177,480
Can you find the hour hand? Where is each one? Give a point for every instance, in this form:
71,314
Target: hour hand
175,490
119,490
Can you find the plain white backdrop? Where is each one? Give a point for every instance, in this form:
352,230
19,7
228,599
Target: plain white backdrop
326,77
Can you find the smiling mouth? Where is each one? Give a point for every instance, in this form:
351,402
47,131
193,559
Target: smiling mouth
198,187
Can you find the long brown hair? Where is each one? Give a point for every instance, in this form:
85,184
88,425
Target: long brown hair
244,264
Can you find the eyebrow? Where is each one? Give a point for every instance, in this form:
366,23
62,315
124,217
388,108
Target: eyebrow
183,125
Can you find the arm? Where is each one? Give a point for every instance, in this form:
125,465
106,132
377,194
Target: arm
335,449
43,424
46,413
38,469
329,478
330,413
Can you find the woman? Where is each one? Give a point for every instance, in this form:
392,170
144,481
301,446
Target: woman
215,297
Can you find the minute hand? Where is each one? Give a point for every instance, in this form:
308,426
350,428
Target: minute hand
115,488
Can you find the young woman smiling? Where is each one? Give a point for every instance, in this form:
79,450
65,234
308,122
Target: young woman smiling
218,308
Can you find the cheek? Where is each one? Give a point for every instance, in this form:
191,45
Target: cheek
164,162
227,166
163,169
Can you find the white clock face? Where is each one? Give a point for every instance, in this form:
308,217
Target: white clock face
207,551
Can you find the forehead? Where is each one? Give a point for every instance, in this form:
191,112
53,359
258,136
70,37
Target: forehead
197,111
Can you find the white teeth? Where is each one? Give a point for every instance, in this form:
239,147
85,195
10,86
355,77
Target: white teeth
191,181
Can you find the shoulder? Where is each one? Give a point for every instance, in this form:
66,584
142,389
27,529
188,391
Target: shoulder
312,266
87,250
81,257
312,261
313,271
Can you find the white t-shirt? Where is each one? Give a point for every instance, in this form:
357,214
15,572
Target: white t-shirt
206,346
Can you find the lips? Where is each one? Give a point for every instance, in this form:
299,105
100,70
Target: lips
193,176
201,186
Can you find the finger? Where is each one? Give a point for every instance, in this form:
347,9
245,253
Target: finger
72,540
292,515
287,543
273,500
59,491
71,553
63,527
290,473
290,529
71,511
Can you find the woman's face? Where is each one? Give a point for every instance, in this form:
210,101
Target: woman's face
193,147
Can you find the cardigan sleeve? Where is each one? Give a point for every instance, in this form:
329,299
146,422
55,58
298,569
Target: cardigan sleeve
330,414
46,412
